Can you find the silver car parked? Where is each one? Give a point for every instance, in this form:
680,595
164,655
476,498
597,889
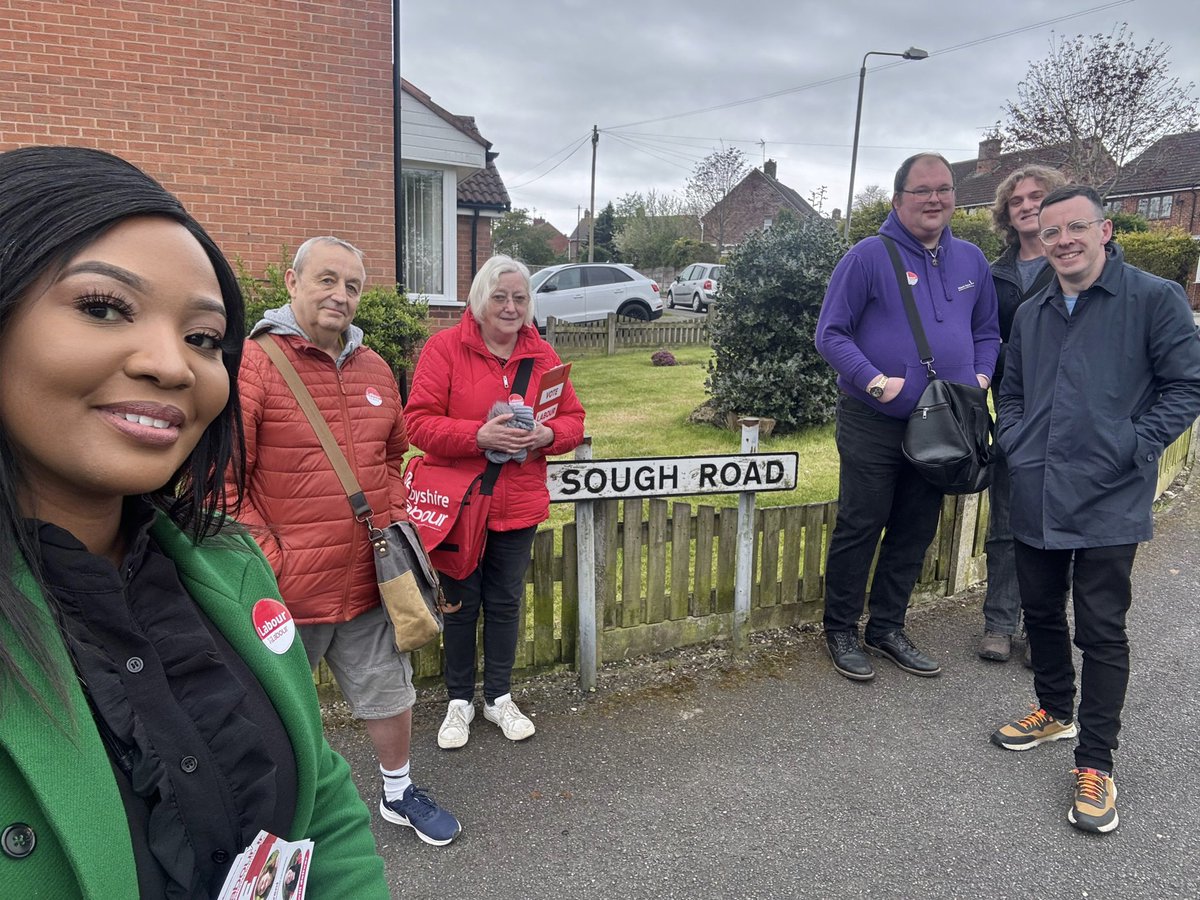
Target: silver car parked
696,286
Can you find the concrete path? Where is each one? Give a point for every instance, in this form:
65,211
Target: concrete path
695,778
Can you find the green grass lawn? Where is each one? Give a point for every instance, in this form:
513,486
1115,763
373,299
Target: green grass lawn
636,409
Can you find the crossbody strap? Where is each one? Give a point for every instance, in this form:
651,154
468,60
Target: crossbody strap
910,307
1039,283
358,501
492,472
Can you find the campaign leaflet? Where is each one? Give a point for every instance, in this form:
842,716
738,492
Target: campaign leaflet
549,391
269,869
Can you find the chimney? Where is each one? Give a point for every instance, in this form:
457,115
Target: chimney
989,156
769,168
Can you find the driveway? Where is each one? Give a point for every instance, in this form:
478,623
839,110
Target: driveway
694,777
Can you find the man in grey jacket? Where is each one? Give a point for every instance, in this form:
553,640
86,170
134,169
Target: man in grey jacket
1102,374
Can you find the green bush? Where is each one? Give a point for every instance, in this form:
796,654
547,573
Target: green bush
393,325
686,251
1125,222
976,227
764,360
865,220
1167,252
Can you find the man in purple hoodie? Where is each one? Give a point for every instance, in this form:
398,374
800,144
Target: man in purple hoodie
863,333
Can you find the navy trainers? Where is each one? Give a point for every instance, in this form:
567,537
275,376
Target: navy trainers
417,810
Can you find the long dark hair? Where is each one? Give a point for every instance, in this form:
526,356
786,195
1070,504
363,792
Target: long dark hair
54,202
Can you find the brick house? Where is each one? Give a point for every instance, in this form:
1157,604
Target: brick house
557,241
753,203
1162,185
237,107
976,180
578,239
244,113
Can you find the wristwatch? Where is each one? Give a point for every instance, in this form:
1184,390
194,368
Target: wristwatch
876,390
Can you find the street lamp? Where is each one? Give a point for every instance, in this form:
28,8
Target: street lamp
910,53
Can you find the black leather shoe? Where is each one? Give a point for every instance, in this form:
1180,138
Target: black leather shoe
896,646
848,658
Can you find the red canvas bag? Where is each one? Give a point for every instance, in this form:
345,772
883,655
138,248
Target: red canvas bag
450,508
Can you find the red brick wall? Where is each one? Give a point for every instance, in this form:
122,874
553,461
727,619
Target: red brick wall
746,206
1185,214
483,251
271,119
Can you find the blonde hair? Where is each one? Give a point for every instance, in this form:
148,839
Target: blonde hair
1048,178
488,277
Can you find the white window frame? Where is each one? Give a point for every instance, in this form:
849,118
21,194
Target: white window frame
449,221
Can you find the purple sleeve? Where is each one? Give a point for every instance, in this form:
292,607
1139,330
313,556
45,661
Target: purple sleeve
841,310
985,323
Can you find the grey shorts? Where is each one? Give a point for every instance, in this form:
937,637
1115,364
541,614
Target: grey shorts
375,678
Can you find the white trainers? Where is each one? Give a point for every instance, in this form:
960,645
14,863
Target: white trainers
456,727
505,713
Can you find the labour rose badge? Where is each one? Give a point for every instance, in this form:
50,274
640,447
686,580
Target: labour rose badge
274,625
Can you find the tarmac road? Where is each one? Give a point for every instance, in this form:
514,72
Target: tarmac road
695,778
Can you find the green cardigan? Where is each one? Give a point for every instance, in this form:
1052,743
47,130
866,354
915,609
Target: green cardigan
57,779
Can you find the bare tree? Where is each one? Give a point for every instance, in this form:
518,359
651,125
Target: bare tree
869,196
650,224
713,178
1101,99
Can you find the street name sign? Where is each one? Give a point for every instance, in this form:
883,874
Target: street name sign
570,481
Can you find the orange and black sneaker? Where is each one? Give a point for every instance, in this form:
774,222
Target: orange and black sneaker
1095,806
1039,727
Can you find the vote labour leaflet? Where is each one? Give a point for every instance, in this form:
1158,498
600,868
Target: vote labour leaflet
269,869
549,392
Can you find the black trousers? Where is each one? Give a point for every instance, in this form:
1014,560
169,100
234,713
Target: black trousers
878,492
1101,592
495,588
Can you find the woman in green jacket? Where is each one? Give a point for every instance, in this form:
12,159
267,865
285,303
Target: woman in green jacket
156,708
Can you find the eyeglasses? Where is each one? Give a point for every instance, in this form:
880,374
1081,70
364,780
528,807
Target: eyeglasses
502,300
1050,236
924,194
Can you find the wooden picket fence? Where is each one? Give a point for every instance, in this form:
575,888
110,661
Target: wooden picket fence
665,576
617,332
665,573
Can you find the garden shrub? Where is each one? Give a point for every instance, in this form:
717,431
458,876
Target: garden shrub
393,325
765,363
1166,252
664,358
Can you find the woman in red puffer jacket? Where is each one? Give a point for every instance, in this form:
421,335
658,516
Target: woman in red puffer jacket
462,373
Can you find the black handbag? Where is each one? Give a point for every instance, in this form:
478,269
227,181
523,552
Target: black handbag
949,434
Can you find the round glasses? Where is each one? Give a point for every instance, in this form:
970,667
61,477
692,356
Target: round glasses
1051,236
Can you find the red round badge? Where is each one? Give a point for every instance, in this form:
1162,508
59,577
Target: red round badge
373,397
274,625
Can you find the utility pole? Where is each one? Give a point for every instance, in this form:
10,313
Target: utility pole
592,220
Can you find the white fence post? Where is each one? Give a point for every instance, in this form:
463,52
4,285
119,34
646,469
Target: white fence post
585,555
744,570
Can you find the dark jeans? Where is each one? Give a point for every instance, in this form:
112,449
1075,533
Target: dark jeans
877,490
496,587
1002,605
1101,591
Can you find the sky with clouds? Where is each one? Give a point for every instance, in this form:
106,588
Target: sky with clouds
668,81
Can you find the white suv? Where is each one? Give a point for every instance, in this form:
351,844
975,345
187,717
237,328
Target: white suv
584,292
696,286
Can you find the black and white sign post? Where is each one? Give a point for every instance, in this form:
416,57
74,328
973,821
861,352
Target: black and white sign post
584,480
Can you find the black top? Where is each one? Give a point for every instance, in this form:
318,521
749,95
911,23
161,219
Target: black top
202,759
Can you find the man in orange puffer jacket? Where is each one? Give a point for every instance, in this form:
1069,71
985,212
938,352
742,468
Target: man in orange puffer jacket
295,507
